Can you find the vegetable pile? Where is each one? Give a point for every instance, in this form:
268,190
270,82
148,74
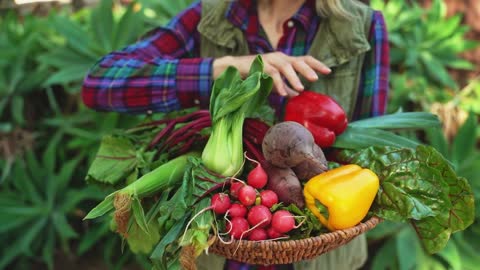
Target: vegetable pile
186,181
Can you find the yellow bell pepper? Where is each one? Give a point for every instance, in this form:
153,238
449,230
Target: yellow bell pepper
347,192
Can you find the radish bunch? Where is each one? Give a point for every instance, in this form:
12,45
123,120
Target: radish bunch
247,207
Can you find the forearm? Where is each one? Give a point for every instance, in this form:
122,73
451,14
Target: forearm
135,85
161,72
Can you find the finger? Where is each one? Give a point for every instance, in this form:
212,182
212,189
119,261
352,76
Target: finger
290,91
278,83
304,69
289,73
317,65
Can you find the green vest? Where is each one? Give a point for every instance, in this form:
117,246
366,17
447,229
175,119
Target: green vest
340,44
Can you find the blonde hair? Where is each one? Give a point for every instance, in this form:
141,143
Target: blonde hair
333,8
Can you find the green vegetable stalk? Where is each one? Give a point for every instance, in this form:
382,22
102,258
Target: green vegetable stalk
231,101
122,200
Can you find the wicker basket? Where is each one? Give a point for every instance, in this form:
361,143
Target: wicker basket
290,251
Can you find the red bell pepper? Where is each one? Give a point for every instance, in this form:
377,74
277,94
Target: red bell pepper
319,113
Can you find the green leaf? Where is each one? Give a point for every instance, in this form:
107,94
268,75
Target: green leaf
386,257
143,240
462,212
75,35
460,64
17,109
409,188
437,140
139,215
63,57
50,155
26,185
358,138
400,120
115,160
406,249
433,232
171,236
385,229
126,30
73,73
13,221
469,255
34,166
66,174
48,248
102,208
437,71
93,236
102,24
21,244
451,255
419,185
465,140
76,196
62,227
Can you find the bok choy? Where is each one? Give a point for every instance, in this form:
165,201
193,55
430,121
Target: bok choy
232,100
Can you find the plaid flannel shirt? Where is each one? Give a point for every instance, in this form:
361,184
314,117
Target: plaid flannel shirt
164,71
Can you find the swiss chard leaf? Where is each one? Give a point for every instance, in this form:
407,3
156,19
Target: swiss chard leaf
115,161
420,186
409,188
462,212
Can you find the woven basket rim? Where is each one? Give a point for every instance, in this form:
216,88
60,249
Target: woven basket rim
289,251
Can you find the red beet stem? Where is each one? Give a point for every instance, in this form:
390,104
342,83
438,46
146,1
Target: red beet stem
253,150
164,132
181,119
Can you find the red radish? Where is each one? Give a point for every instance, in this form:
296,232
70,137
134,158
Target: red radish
235,187
220,203
237,210
247,195
272,234
257,177
268,198
258,234
259,215
283,221
238,227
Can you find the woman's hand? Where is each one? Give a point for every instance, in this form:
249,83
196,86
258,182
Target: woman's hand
279,66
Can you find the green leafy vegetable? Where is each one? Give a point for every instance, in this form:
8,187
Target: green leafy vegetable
418,185
379,131
126,199
231,101
140,241
115,160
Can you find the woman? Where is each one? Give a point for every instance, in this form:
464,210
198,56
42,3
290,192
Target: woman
338,47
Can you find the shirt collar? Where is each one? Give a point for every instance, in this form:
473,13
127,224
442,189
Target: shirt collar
238,11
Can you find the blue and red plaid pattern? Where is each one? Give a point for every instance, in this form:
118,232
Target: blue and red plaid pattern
164,72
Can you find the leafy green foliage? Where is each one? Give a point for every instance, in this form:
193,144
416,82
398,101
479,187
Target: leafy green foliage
460,251
418,186
158,13
424,42
470,97
20,73
84,44
42,63
38,205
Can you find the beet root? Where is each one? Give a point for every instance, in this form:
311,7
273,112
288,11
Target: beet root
312,167
287,144
285,184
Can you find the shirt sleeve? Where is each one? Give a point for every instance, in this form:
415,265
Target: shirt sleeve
374,81
160,73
